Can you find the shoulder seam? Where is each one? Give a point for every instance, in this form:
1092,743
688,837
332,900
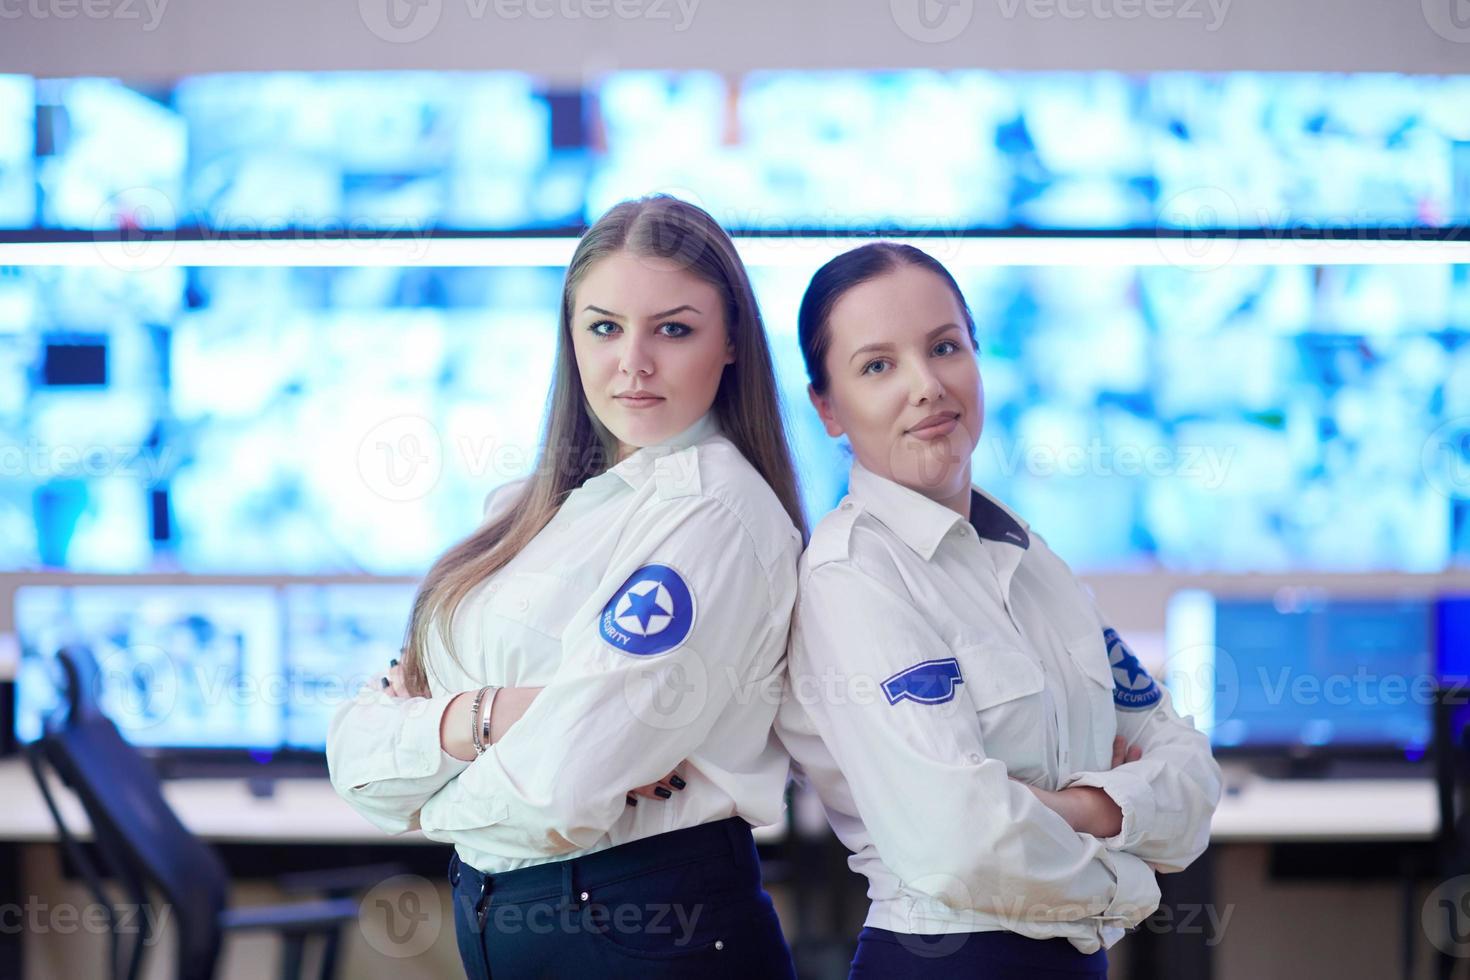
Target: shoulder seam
715,493
839,520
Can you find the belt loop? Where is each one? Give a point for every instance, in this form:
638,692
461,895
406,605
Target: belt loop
568,893
732,834
482,907
741,846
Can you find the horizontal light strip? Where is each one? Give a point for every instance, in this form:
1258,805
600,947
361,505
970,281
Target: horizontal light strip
806,252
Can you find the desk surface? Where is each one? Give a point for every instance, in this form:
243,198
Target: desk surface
309,811
1303,810
302,811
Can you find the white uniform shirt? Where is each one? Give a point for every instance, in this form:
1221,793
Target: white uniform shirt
932,659
654,610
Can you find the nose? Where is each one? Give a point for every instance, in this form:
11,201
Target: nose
636,358
924,386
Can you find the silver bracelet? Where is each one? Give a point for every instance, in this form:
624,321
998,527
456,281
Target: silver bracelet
475,720
485,717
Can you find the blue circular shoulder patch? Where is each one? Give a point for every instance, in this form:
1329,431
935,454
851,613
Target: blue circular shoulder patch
652,612
1133,688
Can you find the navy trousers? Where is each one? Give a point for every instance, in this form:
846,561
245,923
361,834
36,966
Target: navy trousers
884,955
688,903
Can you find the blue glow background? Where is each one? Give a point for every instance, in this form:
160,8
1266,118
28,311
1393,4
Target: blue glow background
214,420
1248,418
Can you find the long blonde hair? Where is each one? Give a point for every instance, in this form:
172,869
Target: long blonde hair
577,446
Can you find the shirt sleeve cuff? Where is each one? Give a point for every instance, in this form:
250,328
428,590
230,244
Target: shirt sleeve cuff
1133,796
419,751
1137,894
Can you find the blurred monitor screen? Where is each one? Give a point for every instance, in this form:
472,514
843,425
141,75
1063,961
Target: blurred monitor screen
340,637
180,666
1300,672
309,421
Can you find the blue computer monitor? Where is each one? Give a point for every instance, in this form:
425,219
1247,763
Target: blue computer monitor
1304,673
1452,638
182,667
339,637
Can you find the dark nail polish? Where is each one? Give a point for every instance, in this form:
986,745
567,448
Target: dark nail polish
661,793
393,662
677,782
631,801
385,681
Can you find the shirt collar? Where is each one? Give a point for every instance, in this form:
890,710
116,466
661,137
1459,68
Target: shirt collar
639,466
994,521
922,523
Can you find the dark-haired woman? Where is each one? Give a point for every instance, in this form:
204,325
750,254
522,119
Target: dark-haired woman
1005,772
609,626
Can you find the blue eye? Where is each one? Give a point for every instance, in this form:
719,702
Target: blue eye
946,343
682,329
868,367
596,332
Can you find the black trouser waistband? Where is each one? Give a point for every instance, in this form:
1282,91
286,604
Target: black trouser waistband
729,839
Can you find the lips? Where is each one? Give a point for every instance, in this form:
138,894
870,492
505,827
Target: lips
934,426
639,399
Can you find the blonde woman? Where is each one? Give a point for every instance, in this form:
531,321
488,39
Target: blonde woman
617,621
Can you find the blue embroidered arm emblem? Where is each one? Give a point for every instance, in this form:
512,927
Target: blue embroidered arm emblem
1133,688
930,682
651,613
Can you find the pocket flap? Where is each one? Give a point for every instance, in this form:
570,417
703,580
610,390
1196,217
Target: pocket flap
995,675
1090,654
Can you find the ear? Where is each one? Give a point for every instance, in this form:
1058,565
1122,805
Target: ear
823,405
729,350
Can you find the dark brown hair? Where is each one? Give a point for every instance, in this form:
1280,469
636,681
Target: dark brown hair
853,268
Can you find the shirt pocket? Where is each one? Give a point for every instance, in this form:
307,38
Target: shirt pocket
537,601
1005,688
1090,655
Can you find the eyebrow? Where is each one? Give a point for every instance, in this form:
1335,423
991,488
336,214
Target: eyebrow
867,348
656,316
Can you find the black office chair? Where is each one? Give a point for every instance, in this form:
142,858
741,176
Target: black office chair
141,845
1452,844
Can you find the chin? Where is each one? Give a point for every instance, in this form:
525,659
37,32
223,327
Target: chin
939,468
642,432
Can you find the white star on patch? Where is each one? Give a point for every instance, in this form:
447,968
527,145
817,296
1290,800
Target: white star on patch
1127,672
645,609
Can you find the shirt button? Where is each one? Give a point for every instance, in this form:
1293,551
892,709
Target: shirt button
523,604
846,505
719,944
975,758
494,586
585,896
